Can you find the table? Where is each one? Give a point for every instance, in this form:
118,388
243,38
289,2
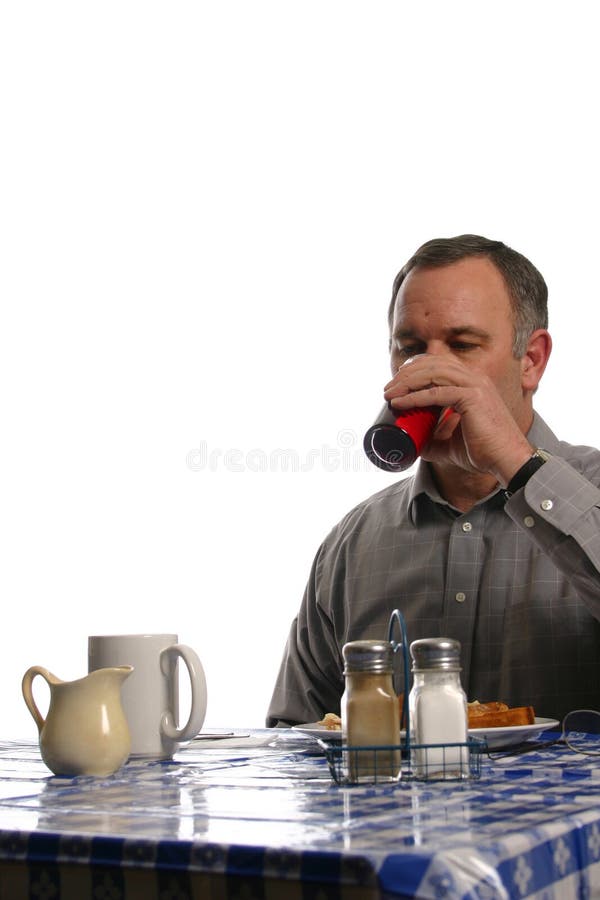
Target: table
260,817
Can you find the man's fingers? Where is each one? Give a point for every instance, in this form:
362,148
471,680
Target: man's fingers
446,425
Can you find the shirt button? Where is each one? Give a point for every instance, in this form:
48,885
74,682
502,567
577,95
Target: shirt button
546,504
460,597
467,526
529,521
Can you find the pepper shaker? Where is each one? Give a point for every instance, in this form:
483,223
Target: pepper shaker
370,713
438,711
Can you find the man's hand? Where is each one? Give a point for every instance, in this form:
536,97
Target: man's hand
479,433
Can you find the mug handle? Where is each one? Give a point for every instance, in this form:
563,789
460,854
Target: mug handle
27,688
198,683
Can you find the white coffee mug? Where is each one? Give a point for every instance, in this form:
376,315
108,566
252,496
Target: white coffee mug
150,696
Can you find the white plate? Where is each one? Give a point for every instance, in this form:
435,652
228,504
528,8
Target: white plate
318,731
499,738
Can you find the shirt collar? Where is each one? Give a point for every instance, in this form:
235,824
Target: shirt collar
541,435
423,487
423,491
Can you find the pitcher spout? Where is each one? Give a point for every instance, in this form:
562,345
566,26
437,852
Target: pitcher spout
123,672
119,672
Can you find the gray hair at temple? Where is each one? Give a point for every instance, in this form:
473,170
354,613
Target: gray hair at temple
526,287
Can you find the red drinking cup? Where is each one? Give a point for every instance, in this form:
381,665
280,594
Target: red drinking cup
396,438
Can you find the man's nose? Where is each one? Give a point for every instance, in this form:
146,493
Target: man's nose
436,348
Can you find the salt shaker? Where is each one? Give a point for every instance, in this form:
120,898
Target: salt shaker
370,712
438,711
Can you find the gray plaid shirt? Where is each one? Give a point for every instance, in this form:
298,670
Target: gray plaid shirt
516,581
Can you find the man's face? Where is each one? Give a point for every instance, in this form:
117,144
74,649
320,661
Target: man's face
462,309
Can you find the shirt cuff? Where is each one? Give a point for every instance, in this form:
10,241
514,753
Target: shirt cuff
559,495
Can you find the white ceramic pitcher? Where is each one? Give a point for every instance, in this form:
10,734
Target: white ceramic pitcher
85,731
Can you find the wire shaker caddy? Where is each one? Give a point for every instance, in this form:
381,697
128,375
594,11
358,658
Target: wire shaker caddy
365,756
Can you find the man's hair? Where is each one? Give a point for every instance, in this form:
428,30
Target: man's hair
526,287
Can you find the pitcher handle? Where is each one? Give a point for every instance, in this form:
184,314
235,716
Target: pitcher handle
27,688
198,684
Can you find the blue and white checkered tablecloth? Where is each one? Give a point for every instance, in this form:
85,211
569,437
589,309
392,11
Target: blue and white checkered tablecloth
263,819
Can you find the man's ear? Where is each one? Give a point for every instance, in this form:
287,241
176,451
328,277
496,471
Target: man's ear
535,359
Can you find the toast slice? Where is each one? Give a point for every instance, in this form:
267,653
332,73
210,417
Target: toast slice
499,715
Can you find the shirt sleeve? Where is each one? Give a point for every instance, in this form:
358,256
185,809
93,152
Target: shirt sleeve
559,509
308,684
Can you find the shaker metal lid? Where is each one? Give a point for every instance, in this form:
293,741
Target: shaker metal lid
368,656
435,653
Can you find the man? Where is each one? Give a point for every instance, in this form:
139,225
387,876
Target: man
495,540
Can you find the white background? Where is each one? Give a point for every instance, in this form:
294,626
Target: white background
202,210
